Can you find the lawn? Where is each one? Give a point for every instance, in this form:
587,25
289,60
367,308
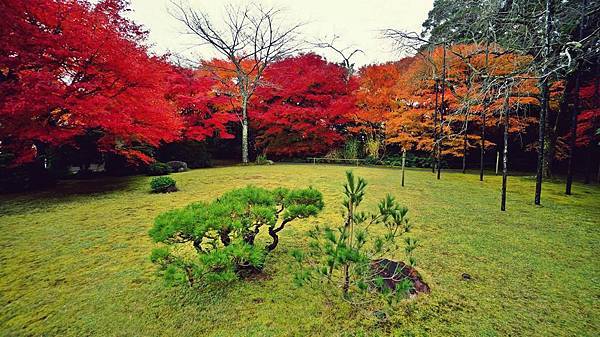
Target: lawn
74,261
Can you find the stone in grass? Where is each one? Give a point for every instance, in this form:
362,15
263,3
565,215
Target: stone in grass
178,166
394,272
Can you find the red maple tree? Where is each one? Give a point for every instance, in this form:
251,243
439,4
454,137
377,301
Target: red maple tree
205,109
68,67
302,107
588,121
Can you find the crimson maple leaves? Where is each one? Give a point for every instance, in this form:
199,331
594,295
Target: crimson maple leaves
68,67
303,106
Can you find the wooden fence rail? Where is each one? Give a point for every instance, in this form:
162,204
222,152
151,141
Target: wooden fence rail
314,160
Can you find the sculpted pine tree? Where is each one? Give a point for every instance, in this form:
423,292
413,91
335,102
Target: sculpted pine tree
223,233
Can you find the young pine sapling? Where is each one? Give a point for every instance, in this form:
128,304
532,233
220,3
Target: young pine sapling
352,255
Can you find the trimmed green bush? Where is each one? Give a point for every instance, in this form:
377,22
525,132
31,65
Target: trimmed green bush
158,169
222,233
163,184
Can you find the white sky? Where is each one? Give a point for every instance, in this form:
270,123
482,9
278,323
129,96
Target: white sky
357,22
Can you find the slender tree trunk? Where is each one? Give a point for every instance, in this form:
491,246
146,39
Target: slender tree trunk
505,156
588,164
348,228
541,141
435,117
484,111
403,163
573,135
598,174
442,110
245,130
482,145
465,145
544,109
497,160
575,111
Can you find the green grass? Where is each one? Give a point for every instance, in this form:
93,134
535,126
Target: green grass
74,260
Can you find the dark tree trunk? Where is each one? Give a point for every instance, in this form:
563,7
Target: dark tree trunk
575,110
273,232
541,142
465,144
275,240
482,145
442,110
484,111
435,117
505,156
573,135
588,165
544,109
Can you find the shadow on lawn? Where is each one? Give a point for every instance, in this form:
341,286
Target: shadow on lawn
63,192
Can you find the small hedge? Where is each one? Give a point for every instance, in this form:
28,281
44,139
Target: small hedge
159,169
163,185
177,166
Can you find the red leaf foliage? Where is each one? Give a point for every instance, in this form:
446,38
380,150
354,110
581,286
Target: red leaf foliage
301,108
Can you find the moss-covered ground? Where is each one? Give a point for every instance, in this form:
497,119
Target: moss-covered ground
74,260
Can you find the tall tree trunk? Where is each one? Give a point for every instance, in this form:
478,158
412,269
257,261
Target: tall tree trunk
588,164
598,173
484,111
245,129
465,145
442,110
545,102
403,163
505,155
575,110
482,145
435,117
541,141
497,160
573,136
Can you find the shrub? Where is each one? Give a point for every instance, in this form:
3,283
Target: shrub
335,154
372,161
177,166
372,148
261,159
158,169
351,256
163,185
221,234
351,149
